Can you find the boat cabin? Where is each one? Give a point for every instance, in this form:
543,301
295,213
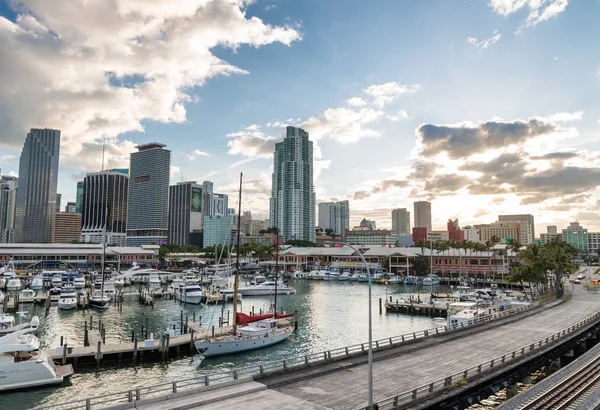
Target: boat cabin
259,329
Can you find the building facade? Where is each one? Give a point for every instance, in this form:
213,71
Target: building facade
79,198
67,228
35,209
454,231
8,201
401,221
593,242
217,230
292,203
335,216
422,215
256,226
437,236
471,233
546,237
576,236
185,213
551,229
501,230
370,237
148,197
527,226
71,208
104,207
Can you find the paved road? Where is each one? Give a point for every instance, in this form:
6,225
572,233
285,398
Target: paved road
347,388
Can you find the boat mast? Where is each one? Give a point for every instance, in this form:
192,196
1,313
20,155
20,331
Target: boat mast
104,246
237,258
276,270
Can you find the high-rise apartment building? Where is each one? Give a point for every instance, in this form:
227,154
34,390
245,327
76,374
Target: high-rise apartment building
501,230
401,221
292,204
335,216
576,236
104,207
35,209
67,228
185,213
58,201
422,215
8,200
148,198
528,230
79,198
71,208
217,230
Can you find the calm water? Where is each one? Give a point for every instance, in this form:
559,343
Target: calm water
330,314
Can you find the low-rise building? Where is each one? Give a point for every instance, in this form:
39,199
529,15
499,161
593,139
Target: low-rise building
363,236
438,236
546,237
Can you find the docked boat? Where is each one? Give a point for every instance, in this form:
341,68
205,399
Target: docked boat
223,269
258,279
264,289
190,293
68,298
37,283
345,276
464,318
431,280
300,274
363,277
54,294
155,285
7,322
2,296
174,286
56,282
24,365
79,283
99,299
110,289
26,296
331,275
14,285
2,282
119,282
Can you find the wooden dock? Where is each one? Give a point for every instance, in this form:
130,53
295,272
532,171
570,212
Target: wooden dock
415,307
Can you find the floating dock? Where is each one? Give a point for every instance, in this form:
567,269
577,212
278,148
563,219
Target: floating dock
415,307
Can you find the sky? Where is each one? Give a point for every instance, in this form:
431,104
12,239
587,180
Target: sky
482,107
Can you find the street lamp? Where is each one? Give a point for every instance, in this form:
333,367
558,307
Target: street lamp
370,350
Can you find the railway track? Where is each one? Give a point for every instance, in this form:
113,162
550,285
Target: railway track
568,390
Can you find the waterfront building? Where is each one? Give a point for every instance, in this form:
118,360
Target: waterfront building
401,221
335,216
8,200
546,237
185,214
148,197
71,208
422,215
437,236
471,233
551,229
67,228
363,236
79,198
527,226
35,208
502,230
218,230
292,203
268,239
576,236
104,206
454,231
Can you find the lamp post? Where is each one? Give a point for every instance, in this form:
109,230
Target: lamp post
370,350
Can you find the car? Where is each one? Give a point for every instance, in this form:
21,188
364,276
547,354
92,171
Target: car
577,281
581,276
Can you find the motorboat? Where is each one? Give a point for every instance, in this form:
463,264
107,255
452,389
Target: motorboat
223,269
264,289
331,275
23,364
190,293
26,296
155,285
68,298
6,322
2,282
258,279
354,277
363,277
119,282
37,283
79,283
411,280
463,318
2,296
56,282
174,286
345,276
431,280
300,274
99,299
14,285
109,288
262,333
54,294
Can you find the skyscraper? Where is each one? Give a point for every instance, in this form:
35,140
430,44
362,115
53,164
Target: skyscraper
185,214
401,221
527,226
148,198
79,198
292,203
35,208
335,216
71,208
58,199
423,215
105,199
8,200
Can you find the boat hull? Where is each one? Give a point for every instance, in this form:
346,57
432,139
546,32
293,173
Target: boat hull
193,299
67,304
265,292
219,348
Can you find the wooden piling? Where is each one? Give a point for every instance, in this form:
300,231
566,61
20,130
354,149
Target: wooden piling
64,354
192,341
181,322
380,306
135,349
99,352
86,338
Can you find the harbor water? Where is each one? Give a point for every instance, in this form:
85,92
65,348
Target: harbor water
330,315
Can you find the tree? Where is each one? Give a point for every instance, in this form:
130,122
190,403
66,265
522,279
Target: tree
421,264
300,243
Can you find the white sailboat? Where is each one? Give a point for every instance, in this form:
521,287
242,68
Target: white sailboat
260,331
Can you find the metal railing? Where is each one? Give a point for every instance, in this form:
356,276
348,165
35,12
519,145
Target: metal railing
458,378
267,368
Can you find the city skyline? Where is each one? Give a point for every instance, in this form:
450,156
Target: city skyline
396,126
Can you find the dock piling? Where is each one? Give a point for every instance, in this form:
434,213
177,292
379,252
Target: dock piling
213,331
61,341
64,354
86,337
181,322
135,349
99,352
192,341
380,306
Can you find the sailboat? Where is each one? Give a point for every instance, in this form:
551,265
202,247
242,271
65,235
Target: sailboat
249,332
99,299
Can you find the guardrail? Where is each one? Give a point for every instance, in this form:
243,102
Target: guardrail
464,375
262,369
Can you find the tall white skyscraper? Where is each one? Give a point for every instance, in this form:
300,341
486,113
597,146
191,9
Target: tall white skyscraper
423,215
8,200
335,216
292,204
35,209
401,221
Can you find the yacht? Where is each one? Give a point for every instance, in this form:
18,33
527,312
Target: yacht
99,299
363,277
345,276
155,285
223,269
119,282
332,275
258,279
14,284
79,283
177,282
109,289
263,333
6,322
54,294
23,364
68,298
264,289
300,275
37,283
190,293
314,274
57,282
464,318
26,296
431,280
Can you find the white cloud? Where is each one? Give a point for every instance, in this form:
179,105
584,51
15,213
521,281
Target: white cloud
196,154
356,102
174,171
486,42
7,157
539,10
383,94
252,144
566,116
102,69
401,115
343,125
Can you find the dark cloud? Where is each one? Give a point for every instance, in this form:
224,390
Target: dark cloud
587,216
557,155
562,181
380,187
446,184
461,141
